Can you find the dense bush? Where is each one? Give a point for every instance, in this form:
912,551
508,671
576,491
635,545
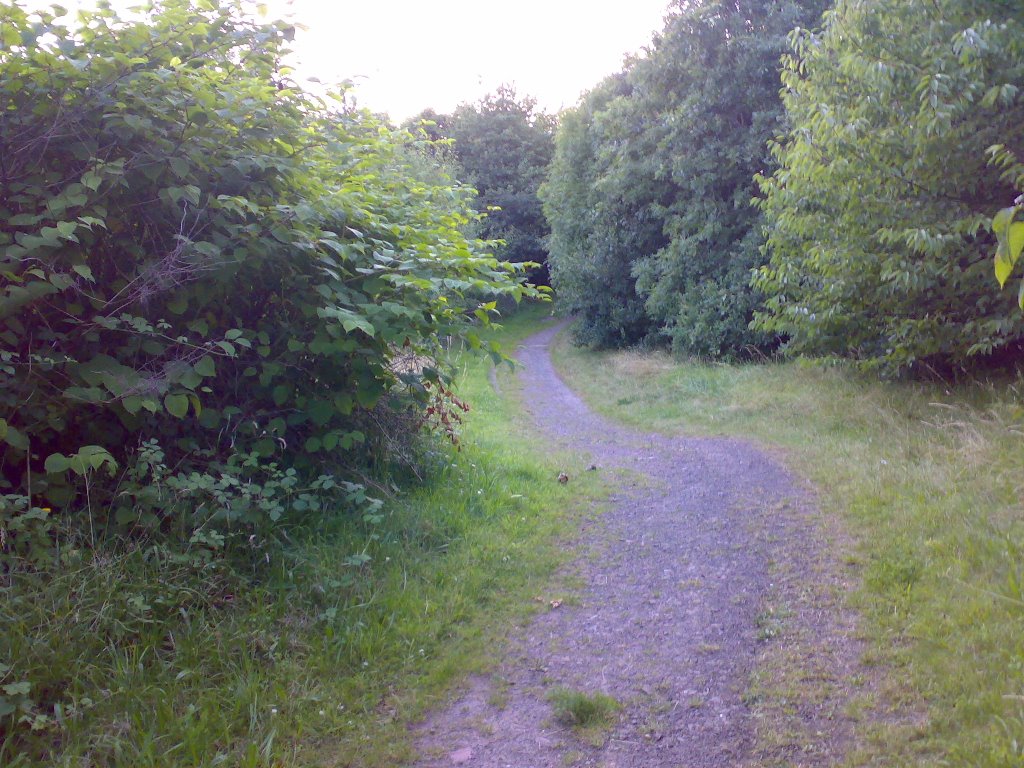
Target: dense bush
878,213
202,262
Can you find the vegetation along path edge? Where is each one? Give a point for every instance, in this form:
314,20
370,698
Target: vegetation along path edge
707,589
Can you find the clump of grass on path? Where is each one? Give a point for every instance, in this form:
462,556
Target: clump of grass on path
576,708
589,715
928,479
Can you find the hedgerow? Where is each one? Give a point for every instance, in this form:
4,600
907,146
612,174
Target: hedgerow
201,260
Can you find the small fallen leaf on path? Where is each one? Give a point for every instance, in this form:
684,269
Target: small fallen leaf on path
555,603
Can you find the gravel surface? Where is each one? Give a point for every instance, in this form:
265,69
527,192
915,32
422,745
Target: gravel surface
682,577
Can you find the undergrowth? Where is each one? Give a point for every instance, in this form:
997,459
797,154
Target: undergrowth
321,656
927,478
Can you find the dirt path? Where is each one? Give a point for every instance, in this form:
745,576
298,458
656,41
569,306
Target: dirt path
682,576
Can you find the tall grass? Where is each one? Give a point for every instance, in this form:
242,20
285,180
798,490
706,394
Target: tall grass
325,659
928,479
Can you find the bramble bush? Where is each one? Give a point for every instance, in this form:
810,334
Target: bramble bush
199,257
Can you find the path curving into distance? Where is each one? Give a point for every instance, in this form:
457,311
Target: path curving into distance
702,542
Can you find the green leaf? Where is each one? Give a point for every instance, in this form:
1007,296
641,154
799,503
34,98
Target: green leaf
15,439
205,367
320,412
281,394
176,405
369,394
1003,266
84,271
180,167
179,304
1002,220
1015,241
57,463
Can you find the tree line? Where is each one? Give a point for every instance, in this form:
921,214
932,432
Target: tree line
790,175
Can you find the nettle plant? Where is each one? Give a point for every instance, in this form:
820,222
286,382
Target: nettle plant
197,252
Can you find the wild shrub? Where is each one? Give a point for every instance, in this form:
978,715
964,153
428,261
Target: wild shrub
199,257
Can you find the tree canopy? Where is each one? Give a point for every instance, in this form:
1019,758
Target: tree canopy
877,215
502,146
653,235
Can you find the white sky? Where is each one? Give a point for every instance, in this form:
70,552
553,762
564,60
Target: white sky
406,55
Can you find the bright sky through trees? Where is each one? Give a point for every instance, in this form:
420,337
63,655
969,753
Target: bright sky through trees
407,55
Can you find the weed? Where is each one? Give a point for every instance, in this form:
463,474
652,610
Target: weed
581,710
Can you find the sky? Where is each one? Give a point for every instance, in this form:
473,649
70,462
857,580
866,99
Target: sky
407,55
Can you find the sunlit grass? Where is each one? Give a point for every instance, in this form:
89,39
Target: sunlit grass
928,480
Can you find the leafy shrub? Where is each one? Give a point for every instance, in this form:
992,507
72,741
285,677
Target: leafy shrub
197,252
878,215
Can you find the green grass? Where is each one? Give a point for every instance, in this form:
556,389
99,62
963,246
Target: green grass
928,481
355,632
589,715
578,708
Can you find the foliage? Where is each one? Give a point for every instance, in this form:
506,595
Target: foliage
194,251
136,659
711,83
502,145
1009,233
598,222
877,215
648,194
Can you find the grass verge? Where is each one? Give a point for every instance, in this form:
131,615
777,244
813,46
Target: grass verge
359,627
928,480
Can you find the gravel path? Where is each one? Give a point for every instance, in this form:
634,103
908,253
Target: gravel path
682,576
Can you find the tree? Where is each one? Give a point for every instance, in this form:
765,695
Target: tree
503,145
603,211
878,212
676,151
